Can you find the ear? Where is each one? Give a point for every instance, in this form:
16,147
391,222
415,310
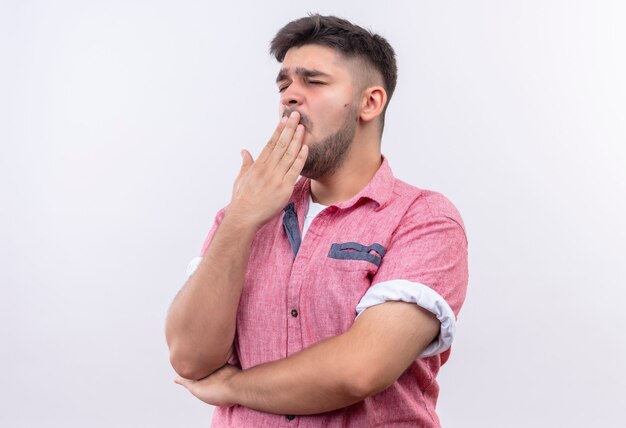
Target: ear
373,101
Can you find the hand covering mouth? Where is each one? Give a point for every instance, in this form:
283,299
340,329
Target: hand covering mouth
304,119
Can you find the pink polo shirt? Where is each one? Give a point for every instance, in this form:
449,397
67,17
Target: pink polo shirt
392,241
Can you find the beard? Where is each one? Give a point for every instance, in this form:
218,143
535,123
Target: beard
327,155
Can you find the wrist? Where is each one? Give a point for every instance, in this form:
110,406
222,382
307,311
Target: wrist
229,389
238,220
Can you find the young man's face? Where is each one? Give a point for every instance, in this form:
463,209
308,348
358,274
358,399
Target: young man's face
317,82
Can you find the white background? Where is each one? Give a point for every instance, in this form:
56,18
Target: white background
121,124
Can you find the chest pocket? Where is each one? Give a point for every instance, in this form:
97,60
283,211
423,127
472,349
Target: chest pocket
353,252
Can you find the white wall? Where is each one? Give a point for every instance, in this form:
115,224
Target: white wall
120,129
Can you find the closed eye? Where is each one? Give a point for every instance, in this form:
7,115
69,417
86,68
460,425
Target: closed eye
312,82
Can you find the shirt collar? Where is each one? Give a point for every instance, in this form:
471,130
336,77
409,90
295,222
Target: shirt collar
379,189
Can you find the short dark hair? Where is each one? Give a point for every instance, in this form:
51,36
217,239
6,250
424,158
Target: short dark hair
349,39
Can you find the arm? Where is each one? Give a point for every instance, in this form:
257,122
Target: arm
201,321
200,325
331,374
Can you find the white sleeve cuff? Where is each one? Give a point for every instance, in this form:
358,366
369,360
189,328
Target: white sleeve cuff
193,265
423,296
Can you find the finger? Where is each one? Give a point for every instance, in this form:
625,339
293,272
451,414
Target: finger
292,151
296,167
285,139
181,381
267,150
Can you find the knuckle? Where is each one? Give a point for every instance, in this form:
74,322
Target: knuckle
288,155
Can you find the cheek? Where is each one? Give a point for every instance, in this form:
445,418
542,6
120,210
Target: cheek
329,121
338,105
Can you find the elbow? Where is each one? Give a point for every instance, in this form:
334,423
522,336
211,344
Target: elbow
189,370
194,367
363,384
192,361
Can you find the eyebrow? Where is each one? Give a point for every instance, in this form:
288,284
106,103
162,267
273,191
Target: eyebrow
300,71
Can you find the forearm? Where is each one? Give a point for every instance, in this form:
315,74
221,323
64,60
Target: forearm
332,374
342,370
308,382
200,324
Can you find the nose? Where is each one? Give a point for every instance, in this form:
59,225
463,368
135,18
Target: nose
291,97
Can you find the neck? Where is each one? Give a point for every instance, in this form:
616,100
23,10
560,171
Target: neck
358,168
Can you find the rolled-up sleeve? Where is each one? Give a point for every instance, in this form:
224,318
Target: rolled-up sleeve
426,264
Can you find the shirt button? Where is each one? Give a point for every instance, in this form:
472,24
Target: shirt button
294,313
290,417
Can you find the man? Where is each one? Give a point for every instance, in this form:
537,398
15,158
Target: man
329,300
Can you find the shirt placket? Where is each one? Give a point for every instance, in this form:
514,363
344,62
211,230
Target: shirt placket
301,265
300,259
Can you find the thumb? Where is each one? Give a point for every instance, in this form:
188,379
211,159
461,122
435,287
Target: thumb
246,163
182,381
246,159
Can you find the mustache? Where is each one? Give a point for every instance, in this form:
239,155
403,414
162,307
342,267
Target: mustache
304,119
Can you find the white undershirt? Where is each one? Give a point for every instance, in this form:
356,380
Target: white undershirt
312,212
